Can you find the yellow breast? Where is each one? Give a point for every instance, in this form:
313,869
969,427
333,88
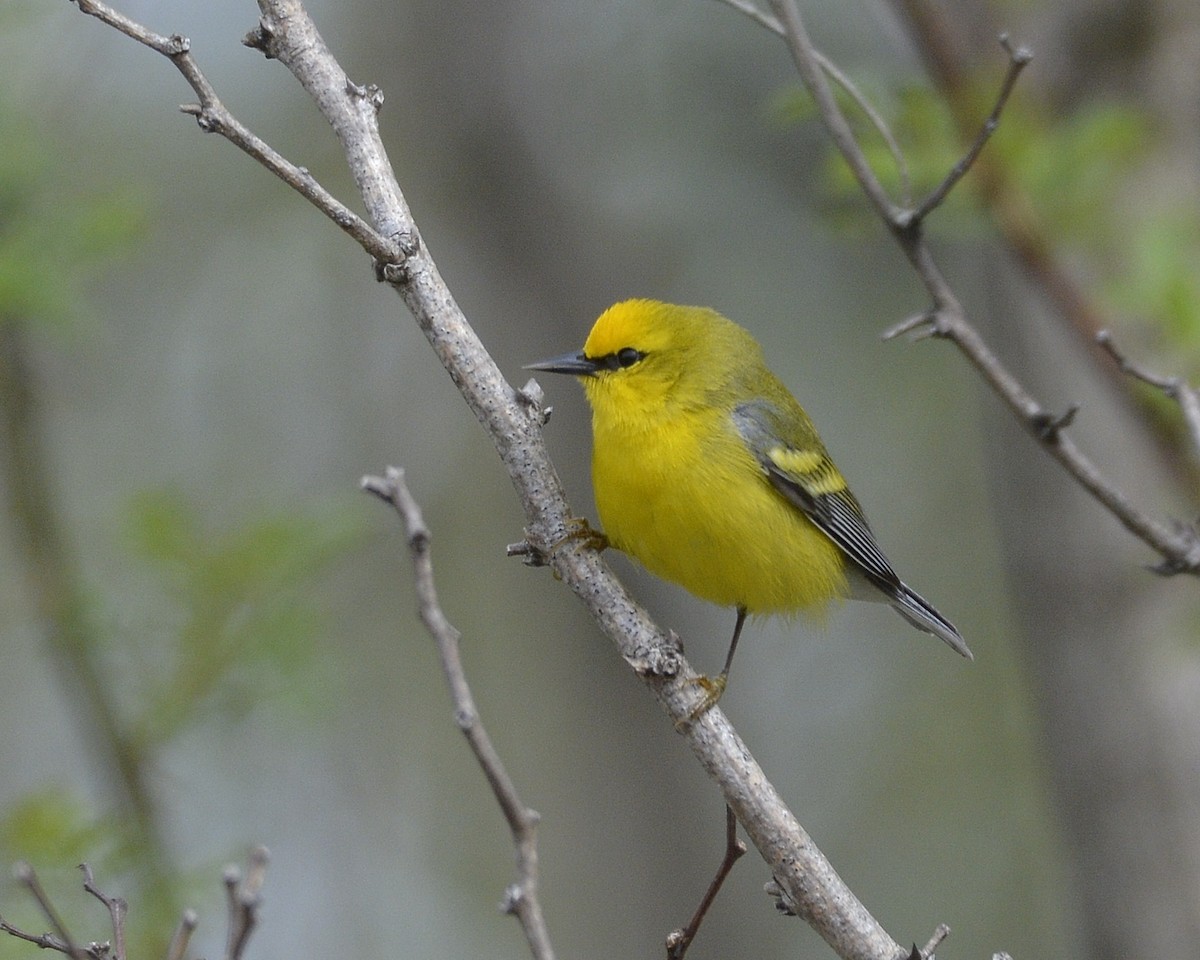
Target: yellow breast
685,497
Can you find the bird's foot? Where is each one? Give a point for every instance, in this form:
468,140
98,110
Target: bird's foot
713,688
578,528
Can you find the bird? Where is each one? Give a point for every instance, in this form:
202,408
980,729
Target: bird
708,472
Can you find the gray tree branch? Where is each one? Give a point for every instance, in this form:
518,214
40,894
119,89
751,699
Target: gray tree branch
521,899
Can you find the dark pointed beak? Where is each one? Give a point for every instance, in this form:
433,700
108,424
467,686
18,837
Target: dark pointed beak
575,364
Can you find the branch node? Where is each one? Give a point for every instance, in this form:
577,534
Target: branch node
514,894
530,555
262,39
465,718
657,661
396,271
783,900
1019,56
176,45
207,119
1047,427
533,398
940,933
928,323
1187,561
370,93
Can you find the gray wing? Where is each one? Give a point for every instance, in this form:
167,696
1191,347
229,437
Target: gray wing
798,467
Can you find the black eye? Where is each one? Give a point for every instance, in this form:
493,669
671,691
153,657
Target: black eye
627,356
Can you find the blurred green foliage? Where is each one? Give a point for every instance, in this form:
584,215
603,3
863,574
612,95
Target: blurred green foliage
1074,175
244,616
50,826
53,234
235,612
242,633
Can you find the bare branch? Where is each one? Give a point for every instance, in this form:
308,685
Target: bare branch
182,935
678,941
25,875
45,941
521,898
513,419
1176,388
848,85
1018,59
1177,543
213,117
805,56
117,910
940,933
243,897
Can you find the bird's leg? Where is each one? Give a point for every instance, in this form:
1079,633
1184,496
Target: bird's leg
713,687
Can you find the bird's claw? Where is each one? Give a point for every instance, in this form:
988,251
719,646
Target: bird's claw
713,688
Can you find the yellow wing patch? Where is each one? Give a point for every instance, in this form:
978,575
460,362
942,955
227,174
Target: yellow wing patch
811,469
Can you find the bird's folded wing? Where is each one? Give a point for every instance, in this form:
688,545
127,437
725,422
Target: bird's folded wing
796,464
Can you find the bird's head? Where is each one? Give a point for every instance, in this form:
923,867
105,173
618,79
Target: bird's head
644,355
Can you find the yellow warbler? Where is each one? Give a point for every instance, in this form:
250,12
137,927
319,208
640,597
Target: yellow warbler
708,472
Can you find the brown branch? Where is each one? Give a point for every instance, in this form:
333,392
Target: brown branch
44,941
243,897
117,910
1178,544
805,57
521,898
60,598
182,935
842,80
60,940
1018,59
679,940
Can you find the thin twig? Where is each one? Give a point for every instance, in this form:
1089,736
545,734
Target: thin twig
848,85
117,910
25,875
1018,59
1010,206
808,65
1176,388
213,117
940,933
678,941
46,941
243,897
182,935
521,898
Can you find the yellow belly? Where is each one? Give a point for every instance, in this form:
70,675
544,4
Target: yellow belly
704,515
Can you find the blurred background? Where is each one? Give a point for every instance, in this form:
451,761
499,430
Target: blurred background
208,634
